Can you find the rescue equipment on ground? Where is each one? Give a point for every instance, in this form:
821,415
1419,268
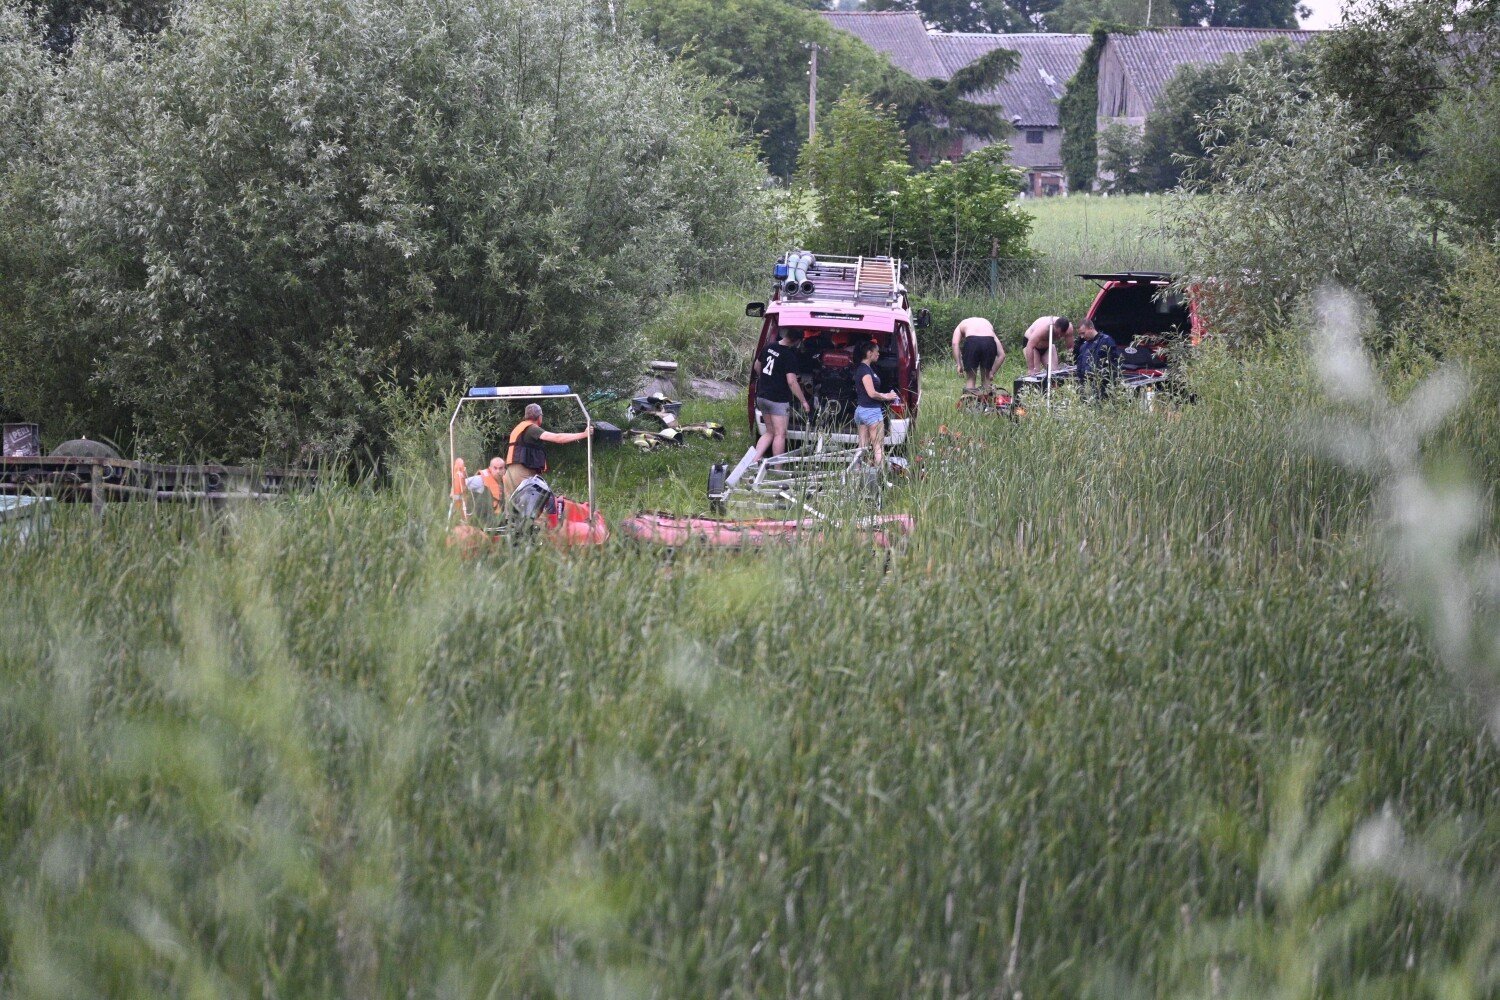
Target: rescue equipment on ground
798,473
995,401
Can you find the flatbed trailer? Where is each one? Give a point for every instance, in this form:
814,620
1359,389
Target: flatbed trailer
78,478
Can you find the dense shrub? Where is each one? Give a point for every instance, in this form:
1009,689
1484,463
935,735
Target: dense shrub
707,333
1469,320
233,233
751,52
1462,135
870,201
1171,141
1297,202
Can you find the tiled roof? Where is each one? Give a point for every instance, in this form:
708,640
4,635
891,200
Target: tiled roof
1152,57
900,35
1029,93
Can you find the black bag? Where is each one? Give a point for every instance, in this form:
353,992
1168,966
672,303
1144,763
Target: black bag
1132,358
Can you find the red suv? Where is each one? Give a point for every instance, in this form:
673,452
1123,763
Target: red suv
1145,317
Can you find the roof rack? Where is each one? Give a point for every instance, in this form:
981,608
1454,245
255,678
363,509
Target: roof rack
870,281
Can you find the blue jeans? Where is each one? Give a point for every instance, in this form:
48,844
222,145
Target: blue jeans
868,416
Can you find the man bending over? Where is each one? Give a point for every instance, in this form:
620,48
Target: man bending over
1043,338
977,352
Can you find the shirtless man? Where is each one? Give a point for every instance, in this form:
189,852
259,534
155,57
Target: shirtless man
1043,338
977,352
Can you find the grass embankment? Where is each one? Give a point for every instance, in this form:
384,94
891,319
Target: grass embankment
303,750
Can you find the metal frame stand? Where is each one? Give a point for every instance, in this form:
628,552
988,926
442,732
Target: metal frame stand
789,478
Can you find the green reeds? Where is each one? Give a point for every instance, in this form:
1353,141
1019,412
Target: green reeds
305,750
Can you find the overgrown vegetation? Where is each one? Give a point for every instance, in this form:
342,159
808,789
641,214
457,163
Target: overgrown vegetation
1078,112
1396,62
1170,144
227,238
752,55
303,749
871,201
1292,201
1152,703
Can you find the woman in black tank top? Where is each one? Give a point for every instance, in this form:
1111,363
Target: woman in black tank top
869,403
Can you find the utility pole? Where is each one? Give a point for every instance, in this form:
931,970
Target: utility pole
812,90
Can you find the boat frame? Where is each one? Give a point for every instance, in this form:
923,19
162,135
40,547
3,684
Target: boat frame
517,394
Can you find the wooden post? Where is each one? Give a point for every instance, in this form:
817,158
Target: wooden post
812,93
994,267
96,490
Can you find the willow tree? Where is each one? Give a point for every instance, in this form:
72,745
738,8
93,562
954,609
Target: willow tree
238,230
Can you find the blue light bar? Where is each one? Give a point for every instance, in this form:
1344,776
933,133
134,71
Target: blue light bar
504,391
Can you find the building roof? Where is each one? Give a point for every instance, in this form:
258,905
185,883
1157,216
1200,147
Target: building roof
1153,56
899,35
1029,94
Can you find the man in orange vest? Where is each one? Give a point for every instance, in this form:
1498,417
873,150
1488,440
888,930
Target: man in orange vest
525,457
489,481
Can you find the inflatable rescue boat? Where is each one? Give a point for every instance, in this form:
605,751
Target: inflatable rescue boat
673,531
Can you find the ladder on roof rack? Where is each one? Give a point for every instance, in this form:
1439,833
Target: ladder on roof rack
875,280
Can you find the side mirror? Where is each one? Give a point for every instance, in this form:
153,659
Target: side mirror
755,309
924,318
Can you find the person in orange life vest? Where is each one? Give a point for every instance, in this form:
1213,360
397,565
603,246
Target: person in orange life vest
489,481
525,457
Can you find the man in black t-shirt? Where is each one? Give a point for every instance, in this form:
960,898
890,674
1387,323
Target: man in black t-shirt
776,384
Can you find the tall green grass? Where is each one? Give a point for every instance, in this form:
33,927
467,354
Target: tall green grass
304,750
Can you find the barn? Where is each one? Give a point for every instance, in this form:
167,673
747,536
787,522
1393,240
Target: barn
1135,66
1027,97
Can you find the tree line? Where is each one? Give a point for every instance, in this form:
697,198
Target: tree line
235,228
1369,161
240,232
1416,75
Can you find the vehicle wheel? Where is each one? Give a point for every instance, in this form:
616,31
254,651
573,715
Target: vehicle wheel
84,448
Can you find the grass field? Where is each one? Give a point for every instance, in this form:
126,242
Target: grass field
1121,232
303,750
1101,727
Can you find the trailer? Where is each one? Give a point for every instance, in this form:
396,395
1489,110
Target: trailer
101,479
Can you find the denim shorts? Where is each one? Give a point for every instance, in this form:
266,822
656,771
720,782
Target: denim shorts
771,408
868,416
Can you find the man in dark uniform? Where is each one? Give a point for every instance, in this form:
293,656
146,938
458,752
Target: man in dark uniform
1097,356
